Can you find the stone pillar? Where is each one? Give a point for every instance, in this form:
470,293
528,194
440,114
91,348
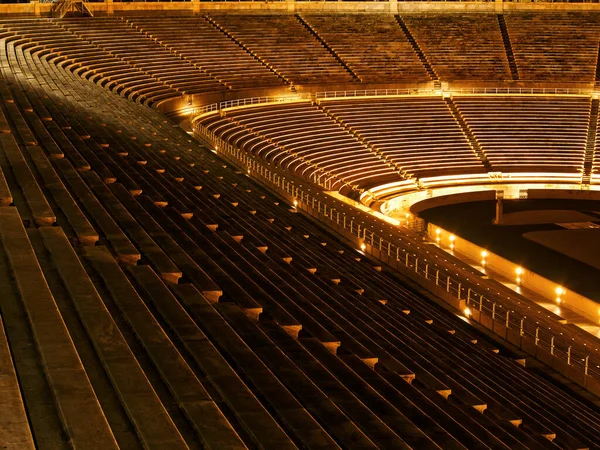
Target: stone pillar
195,6
499,211
36,7
291,6
499,6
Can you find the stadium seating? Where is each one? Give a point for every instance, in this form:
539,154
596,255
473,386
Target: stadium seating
373,46
282,42
200,42
154,296
301,138
461,47
524,134
417,133
88,60
132,46
561,47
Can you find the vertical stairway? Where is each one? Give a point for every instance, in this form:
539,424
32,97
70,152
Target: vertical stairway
510,56
590,145
331,51
247,50
597,77
419,52
462,123
62,8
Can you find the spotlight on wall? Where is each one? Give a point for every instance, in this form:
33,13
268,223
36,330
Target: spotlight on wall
437,235
363,247
519,272
483,258
452,238
467,312
560,291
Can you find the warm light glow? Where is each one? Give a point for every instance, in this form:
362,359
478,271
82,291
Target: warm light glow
518,280
438,231
363,247
452,238
559,292
295,203
467,312
519,270
484,254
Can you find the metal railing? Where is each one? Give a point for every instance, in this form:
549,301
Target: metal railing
374,93
410,259
384,93
525,91
245,102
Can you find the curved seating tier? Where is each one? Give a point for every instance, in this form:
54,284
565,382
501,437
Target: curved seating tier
303,139
370,142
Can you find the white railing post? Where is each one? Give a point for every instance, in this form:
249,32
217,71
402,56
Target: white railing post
522,331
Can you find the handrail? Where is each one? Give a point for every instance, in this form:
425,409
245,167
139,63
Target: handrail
375,93
236,103
416,91
523,91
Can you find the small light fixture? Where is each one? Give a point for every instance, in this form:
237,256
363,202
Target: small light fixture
467,312
519,272
363,247
483,257
560,291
